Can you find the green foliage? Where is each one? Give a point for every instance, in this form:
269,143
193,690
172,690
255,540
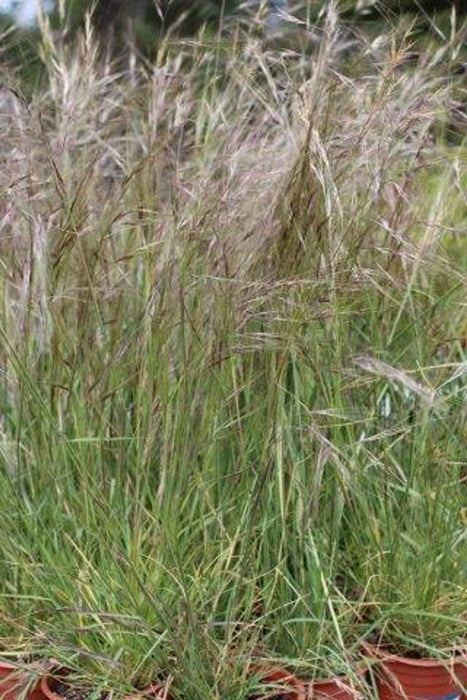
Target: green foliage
232,328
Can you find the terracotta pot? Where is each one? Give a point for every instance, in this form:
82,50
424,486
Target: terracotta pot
402,678
15,683
341,688
280,677
11,682
156,692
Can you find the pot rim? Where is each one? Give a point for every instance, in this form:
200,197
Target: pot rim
150,691
47,690
8,666
359,672
378,652
157,691
267,672
357,668
342,683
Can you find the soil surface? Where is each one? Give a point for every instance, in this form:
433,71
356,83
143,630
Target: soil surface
69,692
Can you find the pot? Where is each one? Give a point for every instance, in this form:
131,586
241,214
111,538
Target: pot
403,678
340,688
11,682
15,683
280,677
156,691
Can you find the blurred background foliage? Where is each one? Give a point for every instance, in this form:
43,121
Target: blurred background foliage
142,23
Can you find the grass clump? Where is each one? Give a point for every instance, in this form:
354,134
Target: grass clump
232,345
